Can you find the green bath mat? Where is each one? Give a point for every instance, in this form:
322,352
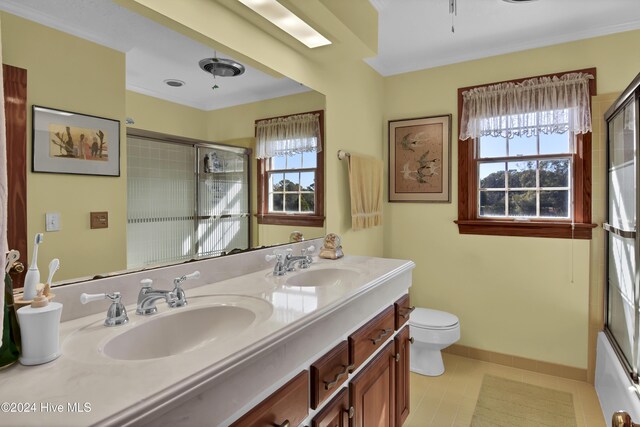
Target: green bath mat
507,403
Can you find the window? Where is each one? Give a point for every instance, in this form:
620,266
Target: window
291,187
529,175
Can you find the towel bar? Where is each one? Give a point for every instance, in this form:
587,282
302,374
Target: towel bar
342,154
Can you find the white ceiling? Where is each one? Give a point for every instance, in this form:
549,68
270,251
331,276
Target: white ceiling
154,53
416,34
413,35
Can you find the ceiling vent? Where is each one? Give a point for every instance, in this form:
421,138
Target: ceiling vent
221,67
174,82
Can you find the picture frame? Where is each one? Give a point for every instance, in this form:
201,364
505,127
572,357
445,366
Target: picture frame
420,159
65,142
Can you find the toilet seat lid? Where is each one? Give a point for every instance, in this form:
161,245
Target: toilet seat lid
433,319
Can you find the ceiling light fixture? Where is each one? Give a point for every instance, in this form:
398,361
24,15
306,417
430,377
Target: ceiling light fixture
287,21
221,67
518,1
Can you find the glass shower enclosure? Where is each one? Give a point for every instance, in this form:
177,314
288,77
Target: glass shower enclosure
623,244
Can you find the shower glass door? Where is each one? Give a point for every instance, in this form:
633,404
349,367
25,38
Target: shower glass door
623,278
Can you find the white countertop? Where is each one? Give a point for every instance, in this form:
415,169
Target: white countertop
83,375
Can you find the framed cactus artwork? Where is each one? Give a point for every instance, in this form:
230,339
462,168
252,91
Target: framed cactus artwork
420,159
73,143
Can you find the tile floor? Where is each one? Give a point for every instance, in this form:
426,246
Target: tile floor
449,400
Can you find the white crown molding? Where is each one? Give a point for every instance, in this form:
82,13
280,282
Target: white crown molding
408,66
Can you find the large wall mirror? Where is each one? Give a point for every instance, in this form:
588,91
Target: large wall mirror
101,60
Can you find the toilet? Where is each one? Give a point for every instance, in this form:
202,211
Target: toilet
432,330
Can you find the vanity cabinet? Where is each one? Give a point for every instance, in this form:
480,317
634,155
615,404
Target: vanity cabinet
378,394
402,357
336,413
372,391
288,406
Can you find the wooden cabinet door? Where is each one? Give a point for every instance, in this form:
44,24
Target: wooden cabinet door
335,413
288,406
372,391
402,375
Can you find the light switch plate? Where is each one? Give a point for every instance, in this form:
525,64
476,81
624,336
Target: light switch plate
99,219
52,221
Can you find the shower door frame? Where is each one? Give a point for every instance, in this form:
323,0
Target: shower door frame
631,367
198,144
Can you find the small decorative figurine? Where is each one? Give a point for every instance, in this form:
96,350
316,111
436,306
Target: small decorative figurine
332,248
295,237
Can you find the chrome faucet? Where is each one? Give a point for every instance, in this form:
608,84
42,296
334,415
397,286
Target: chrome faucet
280,256
116,314
148,296
181,298
286,262
176,297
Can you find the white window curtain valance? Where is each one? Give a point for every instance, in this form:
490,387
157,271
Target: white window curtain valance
288,135
537,105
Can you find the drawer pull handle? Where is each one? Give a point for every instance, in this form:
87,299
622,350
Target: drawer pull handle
346,371
286,423
383,334
405,312
411,340
350,412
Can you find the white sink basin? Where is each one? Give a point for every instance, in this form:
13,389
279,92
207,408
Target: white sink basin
322,277
186,329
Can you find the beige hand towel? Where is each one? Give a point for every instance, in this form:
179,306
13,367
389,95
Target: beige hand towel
365,183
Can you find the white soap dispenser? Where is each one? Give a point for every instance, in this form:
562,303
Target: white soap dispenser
40,330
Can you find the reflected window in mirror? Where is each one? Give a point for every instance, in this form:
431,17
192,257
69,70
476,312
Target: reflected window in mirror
291,187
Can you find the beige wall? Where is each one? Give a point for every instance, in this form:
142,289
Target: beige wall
158,115
68,73
521,296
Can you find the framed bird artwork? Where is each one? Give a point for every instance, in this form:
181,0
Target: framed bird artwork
420,159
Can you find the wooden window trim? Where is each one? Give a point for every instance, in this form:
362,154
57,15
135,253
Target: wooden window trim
469,222
315,219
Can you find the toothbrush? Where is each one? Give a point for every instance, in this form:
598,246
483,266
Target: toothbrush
54,265
33,274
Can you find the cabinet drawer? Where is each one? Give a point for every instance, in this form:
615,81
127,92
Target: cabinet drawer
329,372
288,404
336,413
366,340
403,309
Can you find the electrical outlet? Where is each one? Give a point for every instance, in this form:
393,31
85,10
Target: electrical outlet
52,221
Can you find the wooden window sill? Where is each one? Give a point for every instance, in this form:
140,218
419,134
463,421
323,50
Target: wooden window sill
291,219
553,229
